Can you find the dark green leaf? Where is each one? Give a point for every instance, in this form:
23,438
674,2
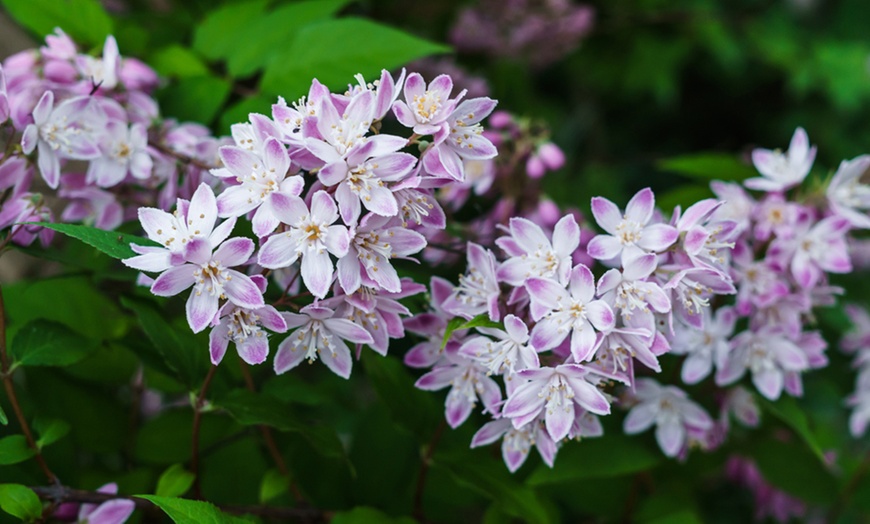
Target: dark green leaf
334,62
14,449
792,468
612,456
174,482
492,479
178,61
249,409
3,419
225,28
47,343
197,98
267,34
363,515
708,166
682,196
183,511
787,410
84,20
112,243
20,501
410,408
182,351
50,431
73,301
239,112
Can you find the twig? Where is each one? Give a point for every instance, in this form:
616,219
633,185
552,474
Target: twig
181,157
426,461
59,494
849,490
268,439
13,399
197,420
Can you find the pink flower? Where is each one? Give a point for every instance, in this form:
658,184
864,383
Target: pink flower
259,179
516,443
630,231
781,171
426,108
560,312
432,325
508,353
198,263
812,250
115,511
706,346
468,380
741,403
532,254
310,236
124,150
768,354
632,294
242,326
847,196
670,409
65,131
317,333
462,139
554,392
478,291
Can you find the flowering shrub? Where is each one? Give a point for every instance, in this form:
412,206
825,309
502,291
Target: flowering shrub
326,226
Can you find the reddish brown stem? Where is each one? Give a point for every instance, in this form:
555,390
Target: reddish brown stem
13,399
426,461
197,421
269,440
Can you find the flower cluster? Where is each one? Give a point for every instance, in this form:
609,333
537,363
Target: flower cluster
333,203
91,130
563,340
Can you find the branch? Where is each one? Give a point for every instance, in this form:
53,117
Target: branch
849,491
424,469
181,157
13,399
269,440
197,420
60,494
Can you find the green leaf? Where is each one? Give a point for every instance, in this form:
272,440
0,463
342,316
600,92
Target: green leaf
74,301
239,112
112,243
14,449
174,482
50,431
492,479
792,468
612,456
364,515
181,349
409,407
183,511
459,323
84,20
178,61
787,410
20,501
225,28
274,484
683,196
47,343
250,409
708,166
197,98
3,419
267,34
333,62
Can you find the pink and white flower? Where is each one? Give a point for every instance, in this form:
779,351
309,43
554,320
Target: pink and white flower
672,412
317,333
768,354
630,231
503,352
847,195
516,443
310,236
426,107
532,254
560,313
478,291
781,171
